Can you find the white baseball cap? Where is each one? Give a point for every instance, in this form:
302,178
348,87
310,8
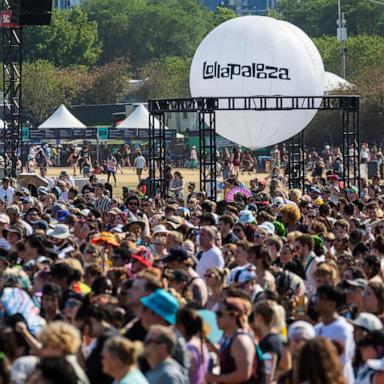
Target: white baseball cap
367,321
269,227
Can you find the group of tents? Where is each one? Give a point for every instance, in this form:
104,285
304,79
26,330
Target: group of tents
62,118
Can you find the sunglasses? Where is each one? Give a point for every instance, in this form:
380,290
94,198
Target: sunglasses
133,203
258,235
209,275
237,230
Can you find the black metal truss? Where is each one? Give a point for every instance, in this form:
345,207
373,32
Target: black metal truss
348,105
296,161
157,155
351,149
12,93
207,158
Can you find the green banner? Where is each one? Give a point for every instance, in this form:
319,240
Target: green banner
24,134
102,133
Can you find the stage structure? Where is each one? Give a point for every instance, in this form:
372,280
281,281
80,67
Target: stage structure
206,108
15,14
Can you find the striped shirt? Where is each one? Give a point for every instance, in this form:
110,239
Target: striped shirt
102,204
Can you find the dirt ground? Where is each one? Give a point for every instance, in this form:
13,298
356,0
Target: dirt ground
129,177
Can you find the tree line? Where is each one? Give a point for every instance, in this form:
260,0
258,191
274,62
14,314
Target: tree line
89,53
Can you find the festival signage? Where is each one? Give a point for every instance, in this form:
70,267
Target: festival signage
258,56
104,134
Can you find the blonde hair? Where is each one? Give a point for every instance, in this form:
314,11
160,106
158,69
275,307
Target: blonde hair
272,314
295,194
328,267
177,237
123,349
62,336
292,236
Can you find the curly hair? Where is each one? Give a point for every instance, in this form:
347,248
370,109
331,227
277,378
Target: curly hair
61,336
290,212
319,363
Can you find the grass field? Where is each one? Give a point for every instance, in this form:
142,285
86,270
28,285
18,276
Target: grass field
129,178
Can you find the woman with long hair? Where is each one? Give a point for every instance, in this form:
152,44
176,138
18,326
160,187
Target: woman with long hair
190,325
319,363
216,279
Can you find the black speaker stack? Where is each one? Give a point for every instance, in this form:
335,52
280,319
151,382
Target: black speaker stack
31,12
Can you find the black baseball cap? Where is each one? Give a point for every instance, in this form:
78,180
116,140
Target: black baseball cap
176,254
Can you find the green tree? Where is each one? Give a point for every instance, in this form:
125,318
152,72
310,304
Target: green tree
221,15
146,30
71,39
46,87
113,18
168,77
318,17
104,84
363,52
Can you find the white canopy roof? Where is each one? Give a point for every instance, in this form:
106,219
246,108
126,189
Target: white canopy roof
1,124
62,118
138,119
334,82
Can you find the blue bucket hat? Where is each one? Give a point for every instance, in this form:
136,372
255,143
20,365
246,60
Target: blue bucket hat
163,304
246,217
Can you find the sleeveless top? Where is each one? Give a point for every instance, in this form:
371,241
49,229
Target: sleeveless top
201,362
228,364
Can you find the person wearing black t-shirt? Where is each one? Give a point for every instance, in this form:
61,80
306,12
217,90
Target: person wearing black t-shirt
93,324
266,319
226,223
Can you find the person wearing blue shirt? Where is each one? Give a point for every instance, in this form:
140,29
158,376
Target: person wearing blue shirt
119,361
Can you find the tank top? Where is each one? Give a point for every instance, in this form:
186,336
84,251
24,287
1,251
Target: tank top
228,364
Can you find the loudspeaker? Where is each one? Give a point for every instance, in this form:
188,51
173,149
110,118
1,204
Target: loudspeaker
31,12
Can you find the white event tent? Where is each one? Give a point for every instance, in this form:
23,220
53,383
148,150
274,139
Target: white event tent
62,118
334,82
138,119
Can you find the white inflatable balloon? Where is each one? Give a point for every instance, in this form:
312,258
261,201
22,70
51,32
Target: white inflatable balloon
258,55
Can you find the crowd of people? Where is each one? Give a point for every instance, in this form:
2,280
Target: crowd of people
80,161
274,287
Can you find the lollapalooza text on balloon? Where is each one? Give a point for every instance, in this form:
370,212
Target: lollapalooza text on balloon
257,70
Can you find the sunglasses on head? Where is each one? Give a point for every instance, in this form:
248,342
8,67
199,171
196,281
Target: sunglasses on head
221,313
